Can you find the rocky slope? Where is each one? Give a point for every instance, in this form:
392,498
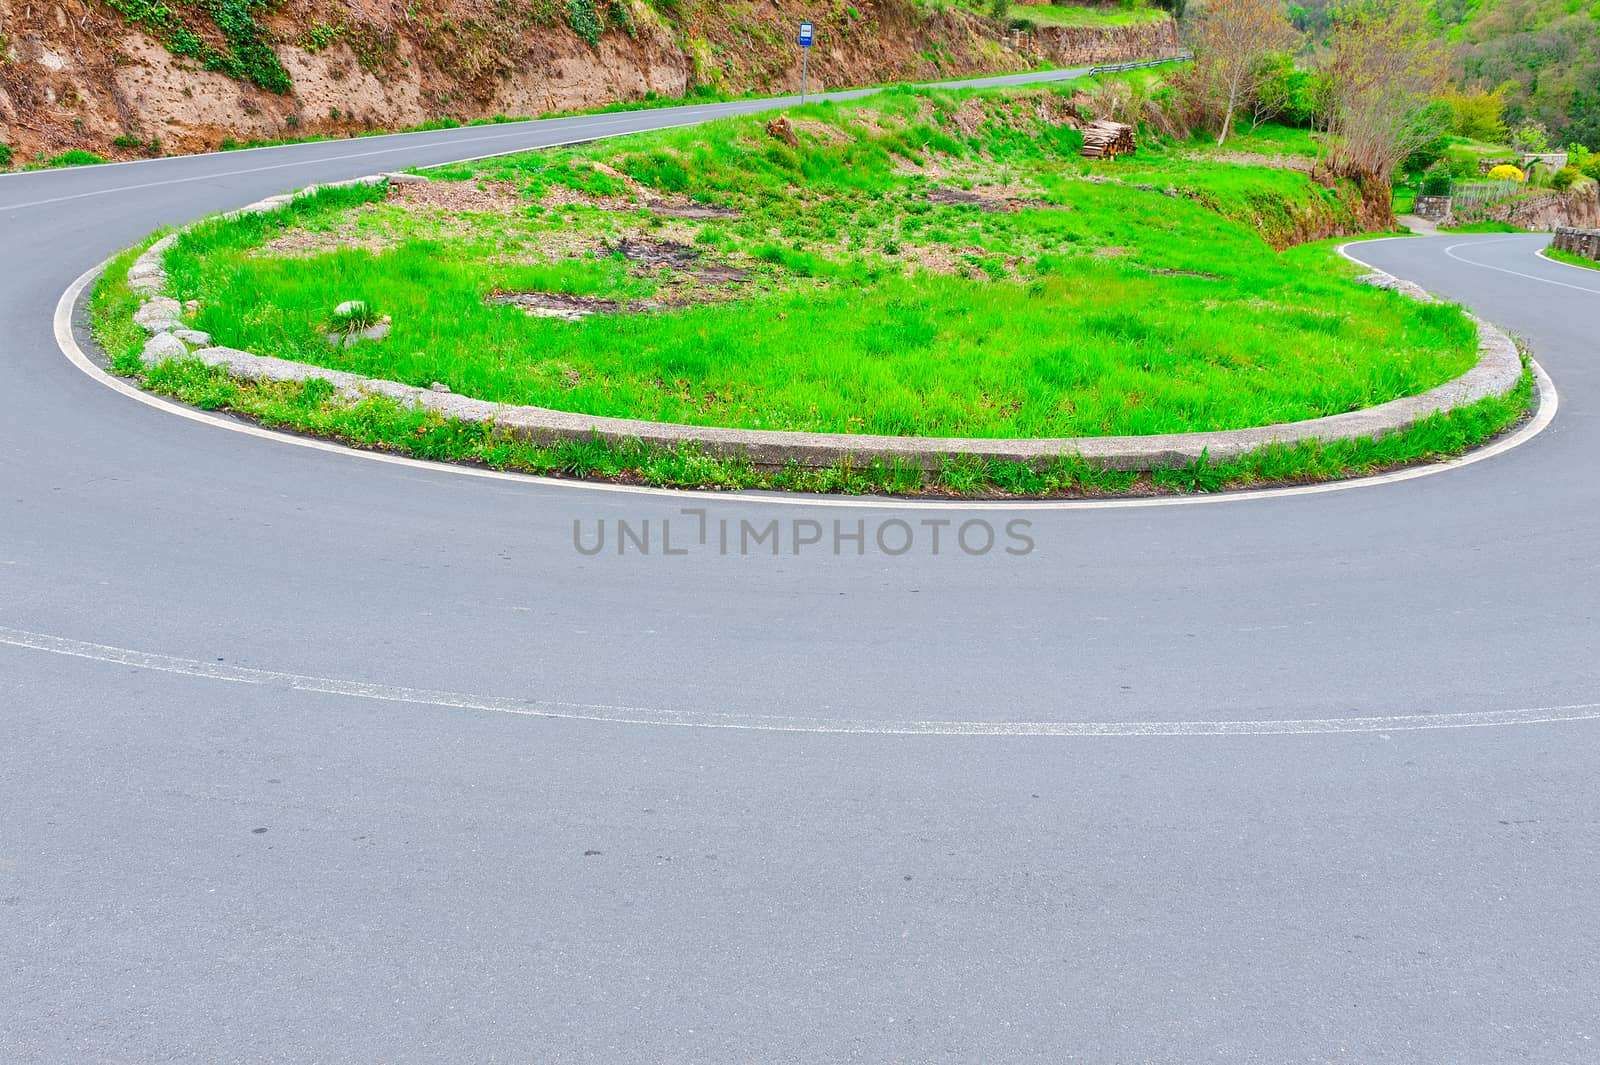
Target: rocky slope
135,77
1544,211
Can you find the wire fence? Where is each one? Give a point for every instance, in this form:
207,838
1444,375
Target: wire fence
1478,193
1117,68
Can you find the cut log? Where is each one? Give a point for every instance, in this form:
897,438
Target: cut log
780,129
1107,140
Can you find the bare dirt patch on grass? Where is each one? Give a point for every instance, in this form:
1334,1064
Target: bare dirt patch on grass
485,197
1276,162
1006,199
302,243
563,306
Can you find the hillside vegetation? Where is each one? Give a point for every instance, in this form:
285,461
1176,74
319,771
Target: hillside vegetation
1543,56
131,78
1546,55
920,263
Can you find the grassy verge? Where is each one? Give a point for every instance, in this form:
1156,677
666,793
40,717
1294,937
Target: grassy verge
386,425
1482,227
1570,259
1044,15
921,263
1128,13
75,157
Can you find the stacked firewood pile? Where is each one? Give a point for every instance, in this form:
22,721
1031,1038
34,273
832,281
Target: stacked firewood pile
1107,140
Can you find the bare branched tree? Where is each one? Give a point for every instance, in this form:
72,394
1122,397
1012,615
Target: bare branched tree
1385,69
1233,41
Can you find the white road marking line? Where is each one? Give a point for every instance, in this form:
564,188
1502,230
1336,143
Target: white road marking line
1451,252
337,159
1544,253
710,112
637,715
442,135
1549,402
731,107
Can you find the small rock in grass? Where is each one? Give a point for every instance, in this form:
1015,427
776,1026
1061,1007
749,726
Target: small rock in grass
406,179
191,306
1379,279
350,340
144,268
193,337
439,386
350,307
148,286
163,346
157,315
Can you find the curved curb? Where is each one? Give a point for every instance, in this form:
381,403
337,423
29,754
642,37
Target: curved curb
1496,372
67,341
1593,271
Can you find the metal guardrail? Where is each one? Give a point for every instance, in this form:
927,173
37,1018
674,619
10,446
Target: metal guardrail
1117,68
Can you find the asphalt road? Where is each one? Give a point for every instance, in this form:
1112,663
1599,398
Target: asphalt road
1154,791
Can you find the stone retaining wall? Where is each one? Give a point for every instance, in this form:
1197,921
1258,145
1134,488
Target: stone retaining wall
1073,46
1433,208
1584,242
1497,372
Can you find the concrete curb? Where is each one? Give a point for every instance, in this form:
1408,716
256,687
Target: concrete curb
1498,370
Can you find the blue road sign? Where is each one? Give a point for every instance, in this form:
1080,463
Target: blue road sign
807,32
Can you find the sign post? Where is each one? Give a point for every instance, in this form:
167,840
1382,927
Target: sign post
808,32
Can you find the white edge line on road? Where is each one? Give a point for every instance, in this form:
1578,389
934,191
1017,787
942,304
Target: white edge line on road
598,135
67,340
706,112
370,138
636,715
1543,253
1451,252
1040,77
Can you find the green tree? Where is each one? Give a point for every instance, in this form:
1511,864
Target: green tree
1386,70
1477,114
1531,137
1234,44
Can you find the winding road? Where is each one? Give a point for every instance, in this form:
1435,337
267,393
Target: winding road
306,757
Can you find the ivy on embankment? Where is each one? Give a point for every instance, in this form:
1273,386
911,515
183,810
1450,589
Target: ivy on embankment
179,26
590,18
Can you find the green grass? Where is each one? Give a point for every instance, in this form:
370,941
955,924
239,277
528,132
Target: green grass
1267,139
1571,259
1072,15
75,157
386,425
1127,13
1482,227
1466,147
1098,308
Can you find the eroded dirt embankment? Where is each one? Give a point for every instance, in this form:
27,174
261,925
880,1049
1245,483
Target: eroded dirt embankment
102,75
